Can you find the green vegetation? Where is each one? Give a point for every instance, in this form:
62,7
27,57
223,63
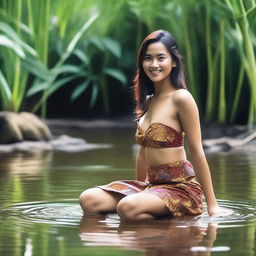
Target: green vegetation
92,46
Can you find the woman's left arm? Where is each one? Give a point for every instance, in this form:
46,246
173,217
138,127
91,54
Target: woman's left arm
189,117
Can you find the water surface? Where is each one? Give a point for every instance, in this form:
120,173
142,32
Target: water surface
40,214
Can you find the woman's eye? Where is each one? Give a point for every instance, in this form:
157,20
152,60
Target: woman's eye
147,58
161,58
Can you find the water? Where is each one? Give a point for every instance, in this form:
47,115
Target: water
40,214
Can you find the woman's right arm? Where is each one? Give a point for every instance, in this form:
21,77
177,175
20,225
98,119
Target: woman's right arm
141,165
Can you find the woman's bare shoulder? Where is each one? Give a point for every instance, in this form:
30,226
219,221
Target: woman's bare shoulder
182,96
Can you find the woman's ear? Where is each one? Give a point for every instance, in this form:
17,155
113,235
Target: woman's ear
174,64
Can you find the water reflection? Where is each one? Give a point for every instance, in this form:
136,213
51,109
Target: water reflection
39,207
161,237
28,163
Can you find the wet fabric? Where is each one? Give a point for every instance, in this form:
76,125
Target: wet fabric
159,135
174,183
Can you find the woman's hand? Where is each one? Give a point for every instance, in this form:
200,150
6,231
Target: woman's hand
219,211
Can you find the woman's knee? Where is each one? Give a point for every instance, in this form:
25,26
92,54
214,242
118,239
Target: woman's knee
127,208
88,194
89,199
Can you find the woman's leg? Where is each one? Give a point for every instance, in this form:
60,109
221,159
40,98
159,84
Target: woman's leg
141,206
96,200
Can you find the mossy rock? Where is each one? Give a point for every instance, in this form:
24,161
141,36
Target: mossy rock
17,127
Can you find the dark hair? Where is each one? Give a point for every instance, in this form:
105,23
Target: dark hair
143,86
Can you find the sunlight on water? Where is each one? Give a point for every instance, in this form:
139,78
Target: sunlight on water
213,249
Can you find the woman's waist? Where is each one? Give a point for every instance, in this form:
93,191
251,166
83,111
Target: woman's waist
171,172
159,156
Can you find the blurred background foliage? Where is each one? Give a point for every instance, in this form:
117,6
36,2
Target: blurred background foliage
76,58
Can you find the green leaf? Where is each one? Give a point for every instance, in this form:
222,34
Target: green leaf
10,19
13,36
5,89
97,41
66,69
59,83
36,67
82,56
251,14
5,41
117,74
113,46
79,90
37,87
75,39
95,91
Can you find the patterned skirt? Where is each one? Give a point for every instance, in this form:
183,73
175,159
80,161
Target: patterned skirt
174,183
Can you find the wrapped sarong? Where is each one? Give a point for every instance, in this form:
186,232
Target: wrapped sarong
174,183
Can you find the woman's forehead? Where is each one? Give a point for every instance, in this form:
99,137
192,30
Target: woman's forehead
156,49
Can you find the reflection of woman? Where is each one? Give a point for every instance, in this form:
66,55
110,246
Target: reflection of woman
154,237
165,111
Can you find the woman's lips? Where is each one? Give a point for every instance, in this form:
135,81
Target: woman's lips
154,72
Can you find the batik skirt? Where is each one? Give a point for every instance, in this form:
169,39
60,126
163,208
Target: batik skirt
174,183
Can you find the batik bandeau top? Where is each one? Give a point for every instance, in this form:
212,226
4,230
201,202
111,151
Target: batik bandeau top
159,135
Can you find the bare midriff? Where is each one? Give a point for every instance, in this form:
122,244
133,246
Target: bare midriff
157,156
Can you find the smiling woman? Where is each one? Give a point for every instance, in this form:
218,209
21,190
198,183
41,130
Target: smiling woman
158,66
165,182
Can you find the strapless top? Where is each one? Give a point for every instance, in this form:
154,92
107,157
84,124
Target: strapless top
159,135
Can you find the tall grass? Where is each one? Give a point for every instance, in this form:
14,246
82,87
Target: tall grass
216,38
13,77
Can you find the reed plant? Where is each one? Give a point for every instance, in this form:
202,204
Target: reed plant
244,16
48,83
13,77
216,38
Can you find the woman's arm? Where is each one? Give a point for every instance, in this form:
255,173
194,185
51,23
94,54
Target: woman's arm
141,165
189,117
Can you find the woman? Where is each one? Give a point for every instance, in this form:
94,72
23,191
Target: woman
165,182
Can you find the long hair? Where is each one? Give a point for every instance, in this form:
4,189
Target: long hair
142,85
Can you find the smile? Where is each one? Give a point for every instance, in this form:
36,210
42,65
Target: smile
154,72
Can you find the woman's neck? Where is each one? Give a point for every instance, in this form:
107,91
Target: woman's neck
164,87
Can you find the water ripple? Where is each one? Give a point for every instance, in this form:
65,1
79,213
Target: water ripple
64,212
68,212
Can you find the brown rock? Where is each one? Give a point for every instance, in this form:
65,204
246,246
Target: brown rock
17,127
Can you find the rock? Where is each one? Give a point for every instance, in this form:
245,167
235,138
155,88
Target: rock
9,128
228,143
69,144
17,127
62,143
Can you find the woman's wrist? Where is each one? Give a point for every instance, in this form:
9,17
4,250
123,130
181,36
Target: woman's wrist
212,206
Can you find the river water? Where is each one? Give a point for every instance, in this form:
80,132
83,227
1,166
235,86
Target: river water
40,214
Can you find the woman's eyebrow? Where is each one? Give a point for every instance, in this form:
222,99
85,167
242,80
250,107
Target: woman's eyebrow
158,55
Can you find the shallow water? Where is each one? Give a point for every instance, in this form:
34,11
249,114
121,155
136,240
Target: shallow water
40,214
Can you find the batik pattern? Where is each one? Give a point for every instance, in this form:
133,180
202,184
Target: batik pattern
173,182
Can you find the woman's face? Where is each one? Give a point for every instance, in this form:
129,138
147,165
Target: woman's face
157,63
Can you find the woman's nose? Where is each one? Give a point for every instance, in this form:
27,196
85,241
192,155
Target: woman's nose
154,63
